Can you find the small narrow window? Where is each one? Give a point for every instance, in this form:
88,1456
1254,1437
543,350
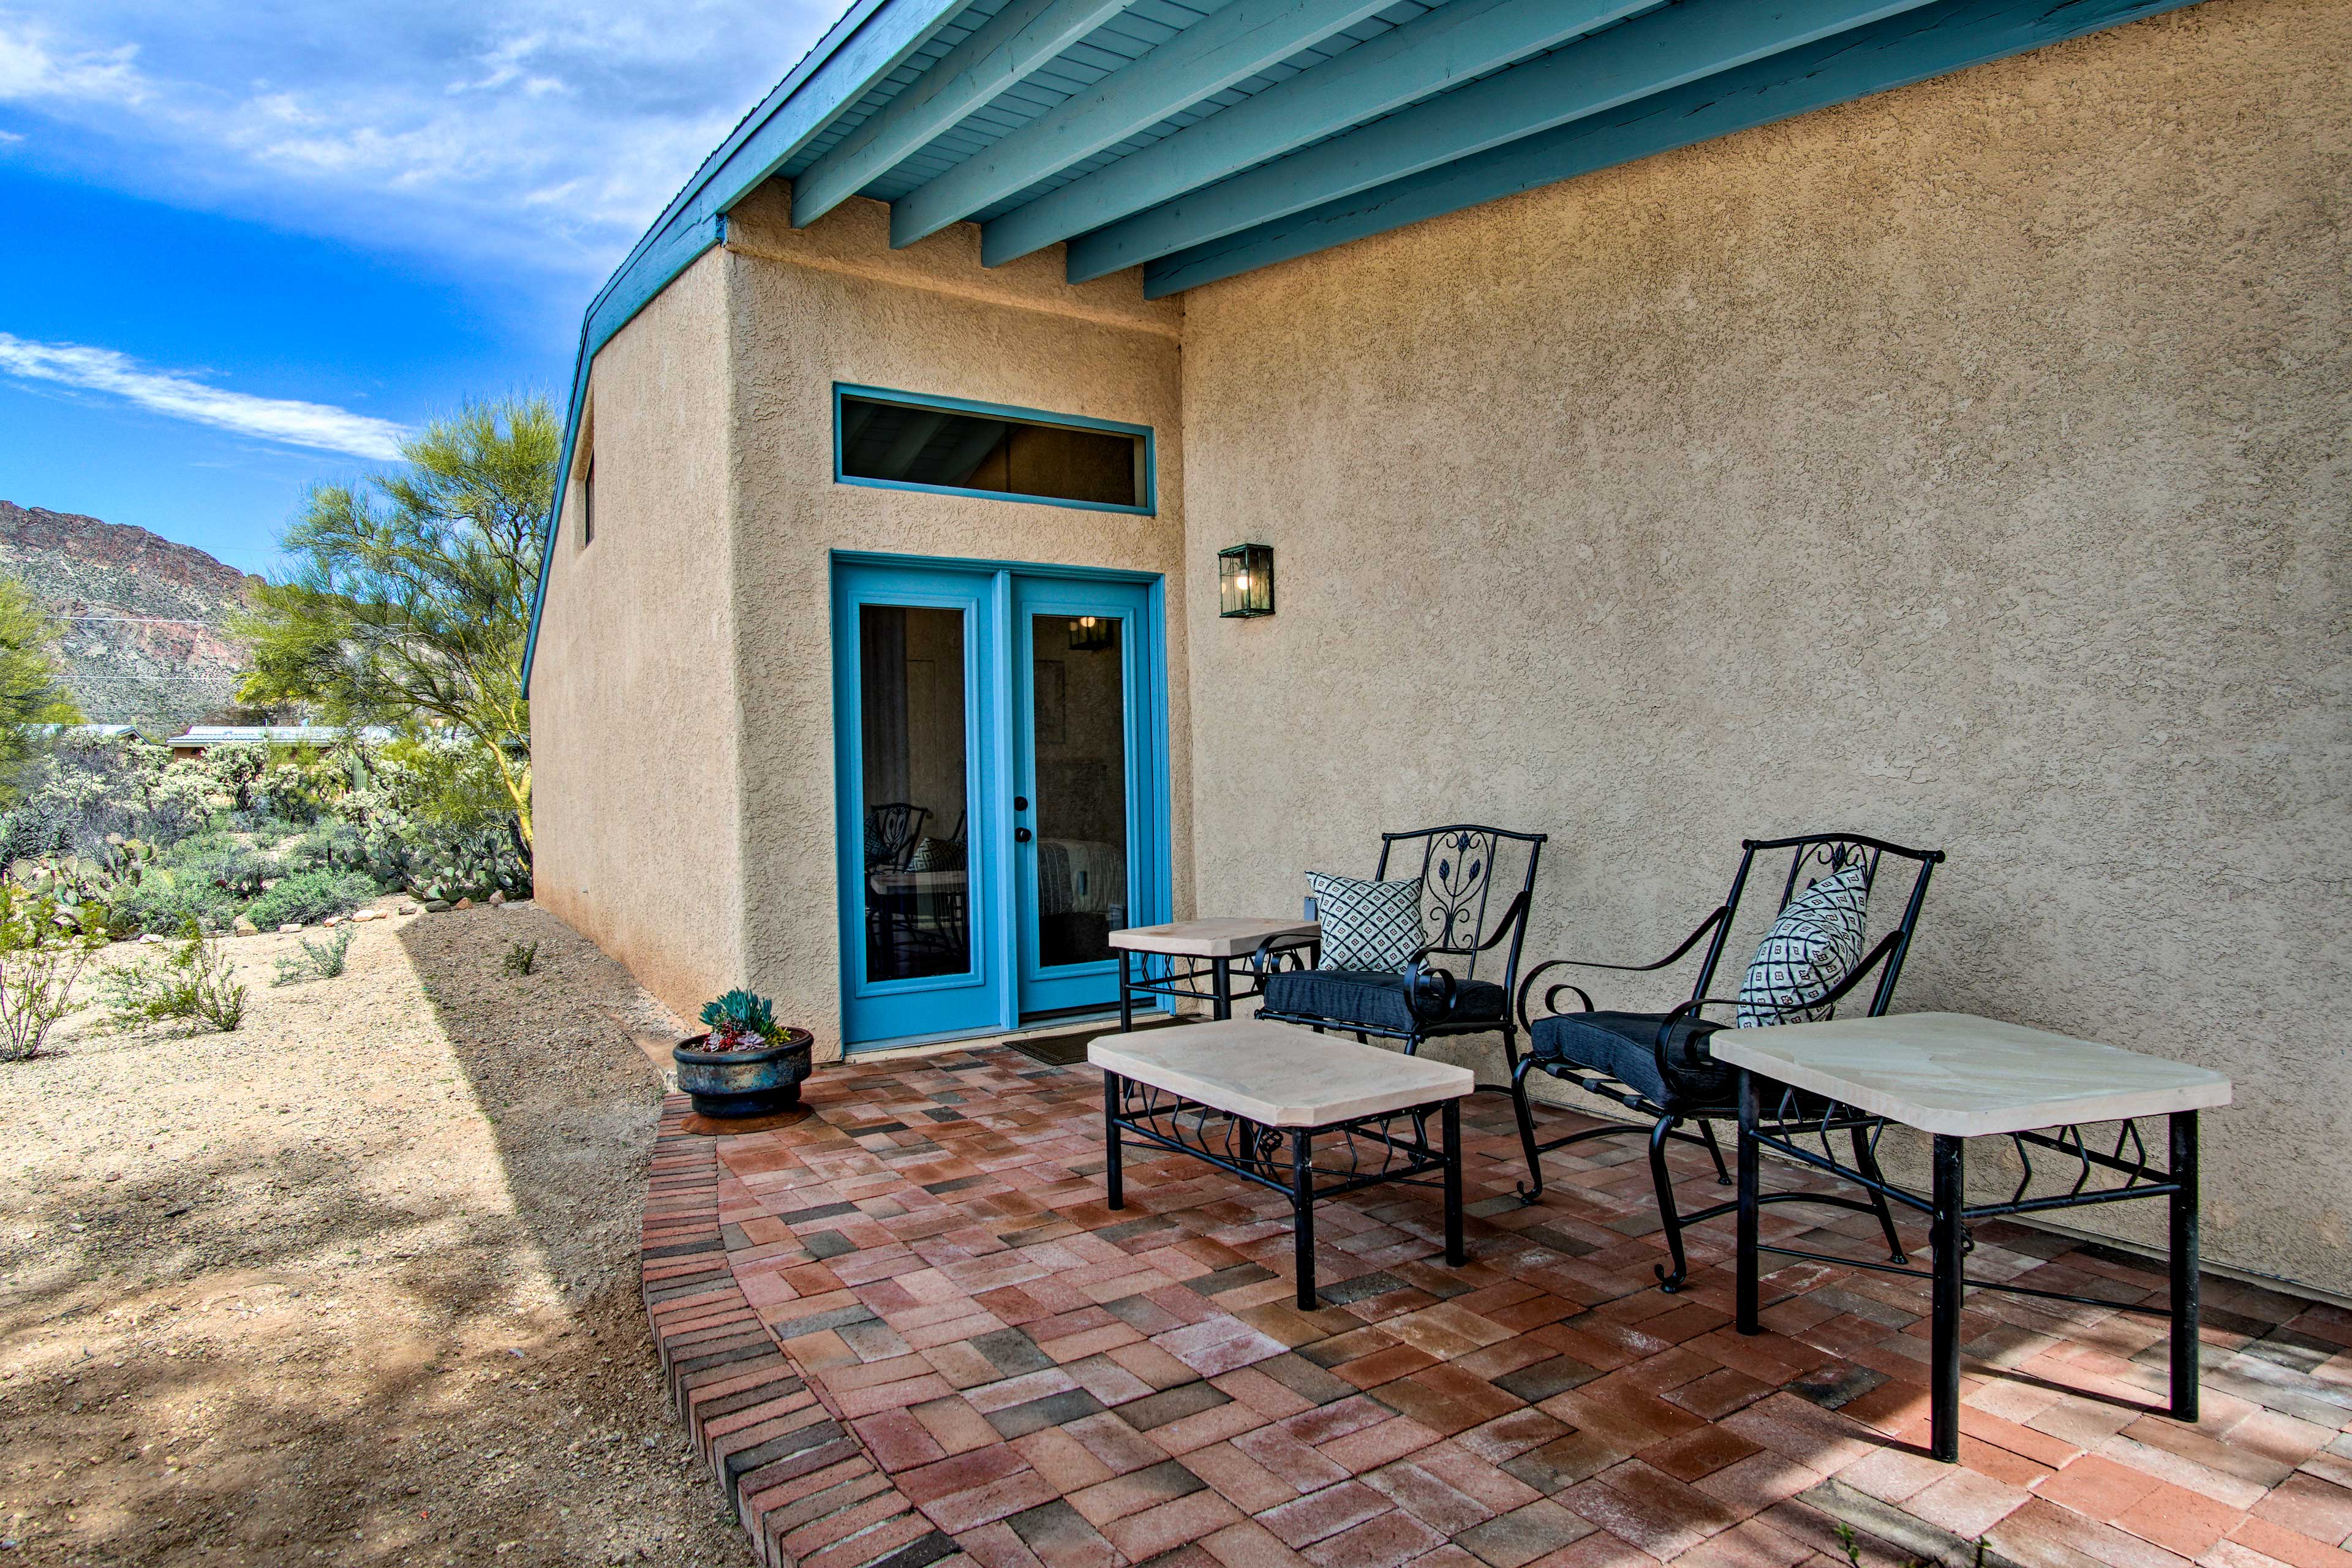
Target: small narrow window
977,448
588,504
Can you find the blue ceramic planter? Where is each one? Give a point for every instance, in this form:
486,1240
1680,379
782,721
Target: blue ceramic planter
727,1084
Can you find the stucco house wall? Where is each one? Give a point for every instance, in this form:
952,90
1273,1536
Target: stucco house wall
1965,465
833,303
635,726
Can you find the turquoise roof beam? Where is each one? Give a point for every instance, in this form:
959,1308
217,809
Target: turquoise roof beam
1646,56
1013,44
1454,44
1933,41
1227,47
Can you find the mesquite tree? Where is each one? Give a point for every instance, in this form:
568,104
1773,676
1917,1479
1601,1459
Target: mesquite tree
410,599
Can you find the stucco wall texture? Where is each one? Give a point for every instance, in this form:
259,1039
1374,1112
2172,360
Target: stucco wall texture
635,726
833,303
1965,466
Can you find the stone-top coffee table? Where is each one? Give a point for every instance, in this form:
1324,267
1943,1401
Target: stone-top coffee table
1219,941
1236,1093
1956,1078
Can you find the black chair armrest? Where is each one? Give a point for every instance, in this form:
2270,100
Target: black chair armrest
1429,992
1552,997
1551,1004
1274,950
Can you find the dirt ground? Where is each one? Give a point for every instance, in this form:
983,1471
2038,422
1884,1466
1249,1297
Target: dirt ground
356,1284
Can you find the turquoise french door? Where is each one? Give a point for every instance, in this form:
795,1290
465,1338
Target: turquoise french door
1000,757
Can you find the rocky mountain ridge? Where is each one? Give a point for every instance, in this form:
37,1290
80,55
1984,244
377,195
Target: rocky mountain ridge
146,640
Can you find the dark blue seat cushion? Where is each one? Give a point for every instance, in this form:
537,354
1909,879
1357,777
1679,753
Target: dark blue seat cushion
1376,1000
1624,1047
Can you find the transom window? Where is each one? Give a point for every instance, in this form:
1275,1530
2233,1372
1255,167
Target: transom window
901,440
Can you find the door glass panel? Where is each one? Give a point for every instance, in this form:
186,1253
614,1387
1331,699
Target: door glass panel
911,699
1080,735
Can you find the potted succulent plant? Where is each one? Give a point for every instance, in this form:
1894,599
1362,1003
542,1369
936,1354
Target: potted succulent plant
746,1064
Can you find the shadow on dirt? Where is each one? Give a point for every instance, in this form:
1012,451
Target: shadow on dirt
409,1337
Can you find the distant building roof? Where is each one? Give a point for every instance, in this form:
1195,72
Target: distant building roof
204,736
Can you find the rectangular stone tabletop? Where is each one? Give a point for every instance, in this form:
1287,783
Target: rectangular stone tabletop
1279,1075
918,882
1965,1077
1224,937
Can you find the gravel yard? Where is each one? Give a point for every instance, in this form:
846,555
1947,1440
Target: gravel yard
356,1284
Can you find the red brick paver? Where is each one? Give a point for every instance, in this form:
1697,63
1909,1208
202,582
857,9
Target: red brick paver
907,1330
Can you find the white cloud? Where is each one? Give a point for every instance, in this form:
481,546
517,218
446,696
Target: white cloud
318,425
543,133
33,68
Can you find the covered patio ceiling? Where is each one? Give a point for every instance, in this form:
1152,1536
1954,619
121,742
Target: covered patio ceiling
1199,139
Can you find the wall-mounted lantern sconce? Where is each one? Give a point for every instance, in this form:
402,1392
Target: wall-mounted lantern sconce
1245,580
1092,634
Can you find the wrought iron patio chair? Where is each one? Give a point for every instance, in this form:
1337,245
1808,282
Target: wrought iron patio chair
1459,871
1657,1064
891,832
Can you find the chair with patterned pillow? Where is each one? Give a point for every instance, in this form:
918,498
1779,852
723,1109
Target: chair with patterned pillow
1374,978
1657,1064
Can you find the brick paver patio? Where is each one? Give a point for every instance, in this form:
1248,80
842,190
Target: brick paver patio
907,1330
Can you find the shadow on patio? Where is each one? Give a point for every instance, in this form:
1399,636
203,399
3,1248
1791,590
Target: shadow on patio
1042,1380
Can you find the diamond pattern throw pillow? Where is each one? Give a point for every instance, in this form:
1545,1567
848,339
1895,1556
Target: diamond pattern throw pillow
1811,947
1367,925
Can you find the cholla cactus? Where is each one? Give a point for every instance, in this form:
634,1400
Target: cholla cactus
740,1021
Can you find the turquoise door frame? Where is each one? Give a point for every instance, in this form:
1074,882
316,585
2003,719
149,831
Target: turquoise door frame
1062,987
1003,980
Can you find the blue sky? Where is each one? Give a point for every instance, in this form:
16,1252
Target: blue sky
248,245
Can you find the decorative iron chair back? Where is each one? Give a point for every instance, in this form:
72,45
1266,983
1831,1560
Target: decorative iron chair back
1812,857
891,832
1458,872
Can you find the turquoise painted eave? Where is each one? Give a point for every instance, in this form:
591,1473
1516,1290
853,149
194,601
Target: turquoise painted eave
1199,139
1927,41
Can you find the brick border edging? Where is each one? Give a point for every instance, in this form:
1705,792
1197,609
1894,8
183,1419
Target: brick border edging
803,1488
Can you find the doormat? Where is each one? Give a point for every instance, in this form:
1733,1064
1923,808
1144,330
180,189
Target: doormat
1070,1049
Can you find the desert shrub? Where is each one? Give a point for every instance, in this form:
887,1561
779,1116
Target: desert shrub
192,982
163,901
318,959
307,896
331,843
522,958
121,833
39,961
208,878
433,819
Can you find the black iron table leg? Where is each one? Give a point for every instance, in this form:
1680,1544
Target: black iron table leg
1114,1178
1302,1208
1751,1184
1450,1118
1949,1290
1220,984
1125,998
2184,1262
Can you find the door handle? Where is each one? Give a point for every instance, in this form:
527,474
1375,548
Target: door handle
1020,835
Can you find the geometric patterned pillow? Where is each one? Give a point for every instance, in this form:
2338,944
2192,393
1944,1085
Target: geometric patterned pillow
1813,946
933,854
1367,925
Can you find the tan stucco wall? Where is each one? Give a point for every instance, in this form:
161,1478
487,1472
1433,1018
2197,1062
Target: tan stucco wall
1966,465
833,303
634,720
